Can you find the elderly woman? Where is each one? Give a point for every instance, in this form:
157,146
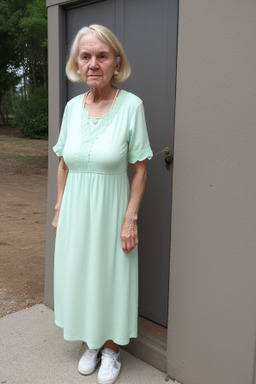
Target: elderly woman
96,261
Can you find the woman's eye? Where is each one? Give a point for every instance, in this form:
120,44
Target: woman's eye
102,56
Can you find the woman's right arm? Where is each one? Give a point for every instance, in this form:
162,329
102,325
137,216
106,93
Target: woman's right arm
61,181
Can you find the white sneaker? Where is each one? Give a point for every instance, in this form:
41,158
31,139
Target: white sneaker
88,362
110,366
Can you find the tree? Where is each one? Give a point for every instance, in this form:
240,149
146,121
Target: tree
23,48
8,78
33,40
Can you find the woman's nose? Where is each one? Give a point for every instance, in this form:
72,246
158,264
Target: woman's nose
93,62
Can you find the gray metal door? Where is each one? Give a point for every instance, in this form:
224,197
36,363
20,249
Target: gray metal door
148,32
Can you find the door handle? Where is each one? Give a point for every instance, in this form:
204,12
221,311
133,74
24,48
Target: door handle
168,157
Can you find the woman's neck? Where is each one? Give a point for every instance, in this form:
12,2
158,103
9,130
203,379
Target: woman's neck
103,104
95,95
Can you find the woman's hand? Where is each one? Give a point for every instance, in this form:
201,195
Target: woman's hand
129,235
61,181
129,232
55,221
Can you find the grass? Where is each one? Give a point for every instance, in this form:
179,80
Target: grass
36,161
20,154
24,142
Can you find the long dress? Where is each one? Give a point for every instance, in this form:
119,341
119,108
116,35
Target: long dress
95,282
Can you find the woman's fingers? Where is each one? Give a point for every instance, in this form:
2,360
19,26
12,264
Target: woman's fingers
55,222
129,240
54,227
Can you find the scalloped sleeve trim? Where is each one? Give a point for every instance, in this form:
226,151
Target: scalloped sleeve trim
58,149
145,153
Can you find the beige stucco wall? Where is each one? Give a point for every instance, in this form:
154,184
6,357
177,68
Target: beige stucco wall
212,321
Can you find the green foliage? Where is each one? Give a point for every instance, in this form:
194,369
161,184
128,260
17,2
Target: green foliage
31,114
8,79
23,60
33,26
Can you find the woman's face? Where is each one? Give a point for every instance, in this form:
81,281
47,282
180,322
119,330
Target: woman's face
96,62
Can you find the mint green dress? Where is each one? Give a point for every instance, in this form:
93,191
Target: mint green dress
95,282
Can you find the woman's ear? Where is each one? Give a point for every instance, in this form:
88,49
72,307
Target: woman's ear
118,63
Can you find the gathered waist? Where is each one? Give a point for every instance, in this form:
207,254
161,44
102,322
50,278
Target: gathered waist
97,172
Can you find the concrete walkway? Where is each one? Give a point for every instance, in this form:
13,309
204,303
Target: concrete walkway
33,351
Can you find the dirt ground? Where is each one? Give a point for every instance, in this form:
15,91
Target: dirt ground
23,189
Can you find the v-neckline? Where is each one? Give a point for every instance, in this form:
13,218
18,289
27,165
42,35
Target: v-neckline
117,94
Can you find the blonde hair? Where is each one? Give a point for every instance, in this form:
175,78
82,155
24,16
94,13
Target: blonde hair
107,37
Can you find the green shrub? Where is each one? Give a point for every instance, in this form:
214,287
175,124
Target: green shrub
31,115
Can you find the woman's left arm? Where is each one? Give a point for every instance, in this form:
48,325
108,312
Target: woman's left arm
129,233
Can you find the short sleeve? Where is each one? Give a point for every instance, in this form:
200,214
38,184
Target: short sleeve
59,147
139,146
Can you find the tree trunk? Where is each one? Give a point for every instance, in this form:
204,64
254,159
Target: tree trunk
1,112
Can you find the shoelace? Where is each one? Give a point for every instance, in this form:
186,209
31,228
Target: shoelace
107,361
90,353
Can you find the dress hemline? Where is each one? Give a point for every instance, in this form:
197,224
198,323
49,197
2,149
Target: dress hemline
96,346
